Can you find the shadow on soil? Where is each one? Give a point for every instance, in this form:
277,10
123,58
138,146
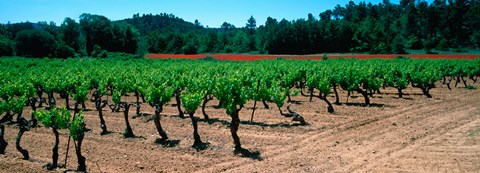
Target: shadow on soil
365,105
167,143
51,166
404,98
142,115
202,146
297,102
105,133
405,94
255,155
134,137
227,123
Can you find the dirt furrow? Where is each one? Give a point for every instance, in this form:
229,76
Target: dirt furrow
373,129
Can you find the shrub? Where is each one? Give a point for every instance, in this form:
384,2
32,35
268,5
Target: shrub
414,43
6,46
98,52
429,44
398,45
471,87
102,54
190,48
324,57
443,45
402,57
64,51
209,58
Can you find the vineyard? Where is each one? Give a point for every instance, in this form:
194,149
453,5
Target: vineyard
177,115
254,57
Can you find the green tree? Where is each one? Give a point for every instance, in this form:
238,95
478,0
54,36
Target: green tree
398,44
62,50
458,9
227,26
70,34
157,42
35,43
125,38
240,42
175,43
251,25
97,30
6,46
191,45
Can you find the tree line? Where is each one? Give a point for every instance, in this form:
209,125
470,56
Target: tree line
364,27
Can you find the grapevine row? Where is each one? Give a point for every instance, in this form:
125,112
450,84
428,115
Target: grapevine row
192,83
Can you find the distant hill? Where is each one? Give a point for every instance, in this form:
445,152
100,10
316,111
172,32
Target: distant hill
164,22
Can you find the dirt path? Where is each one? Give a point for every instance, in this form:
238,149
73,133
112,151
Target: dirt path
411,134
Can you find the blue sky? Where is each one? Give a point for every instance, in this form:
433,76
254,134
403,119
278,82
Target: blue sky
210,13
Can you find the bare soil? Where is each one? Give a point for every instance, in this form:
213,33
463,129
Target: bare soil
410,134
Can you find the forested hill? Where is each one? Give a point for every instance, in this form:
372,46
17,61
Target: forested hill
364,27
147,23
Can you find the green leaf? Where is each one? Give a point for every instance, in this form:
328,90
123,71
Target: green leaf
77,127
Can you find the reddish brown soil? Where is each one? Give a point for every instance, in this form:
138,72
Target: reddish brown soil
411,134
253,57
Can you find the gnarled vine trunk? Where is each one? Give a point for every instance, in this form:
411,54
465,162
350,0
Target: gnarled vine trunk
365,95
179,104
234,128
84,107
8,117
464,81
197,141
296,116
128,129
55,148
337,99
137,94
23,126
158,125
3,143
82,167
426,91
460,78
99,107
66,97
400,93
32,102
51,101
449,81
329,105
103,126
204,104
265,104
302,85
40,98
311,94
